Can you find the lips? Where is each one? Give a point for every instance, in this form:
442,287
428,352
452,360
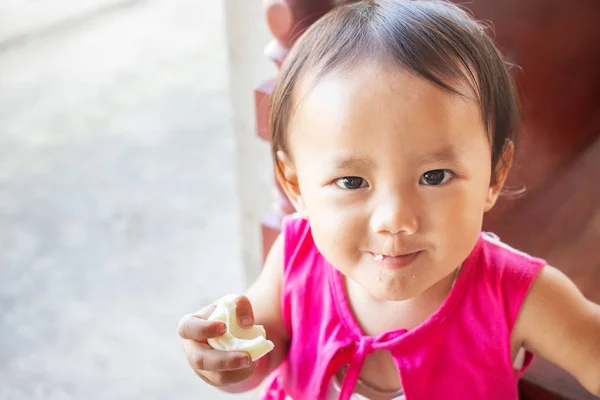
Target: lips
395,262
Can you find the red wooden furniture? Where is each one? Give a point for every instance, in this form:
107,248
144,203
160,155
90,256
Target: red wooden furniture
556,43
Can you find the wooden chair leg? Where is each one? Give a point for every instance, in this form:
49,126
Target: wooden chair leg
529,391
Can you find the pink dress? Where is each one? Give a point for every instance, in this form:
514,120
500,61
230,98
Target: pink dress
462,351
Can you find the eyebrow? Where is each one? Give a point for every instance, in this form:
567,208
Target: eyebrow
448,154
349,162
445,154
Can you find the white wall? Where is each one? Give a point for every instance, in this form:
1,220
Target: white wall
21,20
247,36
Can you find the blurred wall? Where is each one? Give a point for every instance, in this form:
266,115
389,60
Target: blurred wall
247,36
20,20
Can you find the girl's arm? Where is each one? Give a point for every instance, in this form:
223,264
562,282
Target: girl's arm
265,298
559,324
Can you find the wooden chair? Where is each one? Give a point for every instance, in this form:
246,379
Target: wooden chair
556,44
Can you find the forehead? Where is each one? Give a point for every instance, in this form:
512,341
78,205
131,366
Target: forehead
374,104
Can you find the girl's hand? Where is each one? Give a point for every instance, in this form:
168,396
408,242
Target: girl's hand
218,368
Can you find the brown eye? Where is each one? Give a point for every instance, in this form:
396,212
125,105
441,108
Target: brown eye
351,182
435,177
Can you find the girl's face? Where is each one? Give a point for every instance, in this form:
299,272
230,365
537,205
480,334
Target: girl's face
394,176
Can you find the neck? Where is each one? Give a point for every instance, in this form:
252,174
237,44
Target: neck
392,315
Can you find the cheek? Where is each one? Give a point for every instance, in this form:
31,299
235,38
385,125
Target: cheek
332,212
456,213
338,232
336,227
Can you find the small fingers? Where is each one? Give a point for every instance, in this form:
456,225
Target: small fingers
195,328
206,311
202,357
227,377
244,312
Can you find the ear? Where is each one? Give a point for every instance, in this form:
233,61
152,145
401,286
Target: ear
499,176
288,180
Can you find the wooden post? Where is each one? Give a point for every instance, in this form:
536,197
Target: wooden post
286,19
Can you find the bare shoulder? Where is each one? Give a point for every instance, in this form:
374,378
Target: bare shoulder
265,297
558,323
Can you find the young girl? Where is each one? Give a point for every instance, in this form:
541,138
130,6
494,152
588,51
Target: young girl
393,131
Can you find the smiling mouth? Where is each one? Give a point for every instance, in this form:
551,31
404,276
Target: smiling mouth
395,262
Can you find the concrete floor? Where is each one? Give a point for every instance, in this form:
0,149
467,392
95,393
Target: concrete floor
117,206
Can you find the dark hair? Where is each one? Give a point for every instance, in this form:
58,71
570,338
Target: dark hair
433,39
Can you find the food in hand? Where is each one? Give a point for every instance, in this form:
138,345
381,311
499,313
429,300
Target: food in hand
251,340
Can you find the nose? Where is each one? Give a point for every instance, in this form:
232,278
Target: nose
394,215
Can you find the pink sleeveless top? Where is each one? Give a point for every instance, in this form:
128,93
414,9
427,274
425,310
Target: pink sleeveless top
462,351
